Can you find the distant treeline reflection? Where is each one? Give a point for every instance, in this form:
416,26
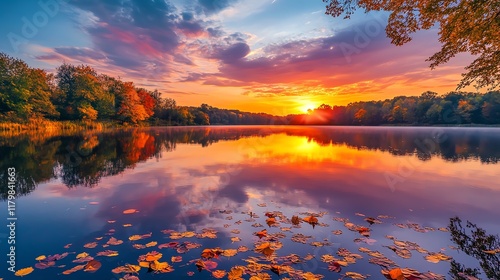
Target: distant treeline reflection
83,159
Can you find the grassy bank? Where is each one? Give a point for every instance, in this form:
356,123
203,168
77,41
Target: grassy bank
43,125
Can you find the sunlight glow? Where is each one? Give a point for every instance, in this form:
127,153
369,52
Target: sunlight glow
305,105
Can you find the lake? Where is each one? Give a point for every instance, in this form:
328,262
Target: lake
251,201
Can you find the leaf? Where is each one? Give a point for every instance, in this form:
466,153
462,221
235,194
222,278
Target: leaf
90,245
270,221
295,220
108,253
396,274
92,266
128,268
311,220
229,252
176,259
236,273
262,233
130,211
114,241
235,239
334,266
437,257
139,237
151,244
151,256
219,274
41,258
74,269
24,271
265,249
82,255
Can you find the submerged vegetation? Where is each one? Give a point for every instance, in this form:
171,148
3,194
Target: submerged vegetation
78,97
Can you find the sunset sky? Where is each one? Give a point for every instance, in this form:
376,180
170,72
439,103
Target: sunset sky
273,56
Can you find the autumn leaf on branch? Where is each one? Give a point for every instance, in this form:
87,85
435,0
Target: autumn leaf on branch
464,27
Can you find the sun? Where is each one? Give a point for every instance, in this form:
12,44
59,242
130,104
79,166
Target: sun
306,105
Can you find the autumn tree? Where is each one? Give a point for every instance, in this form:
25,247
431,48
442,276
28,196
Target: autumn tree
465,26
24,91
130,108
148,100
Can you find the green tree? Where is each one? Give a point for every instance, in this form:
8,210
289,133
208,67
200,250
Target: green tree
80,89
24,91
465,26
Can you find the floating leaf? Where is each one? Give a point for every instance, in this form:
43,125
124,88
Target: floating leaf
235,239
229,252
236,273
130,211
219,274
262,233
437,257
108,253
82,255
334,266
74,269
264,248
90,245
92,266
176,259
396,274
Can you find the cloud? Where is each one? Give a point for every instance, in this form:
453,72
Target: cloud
215,6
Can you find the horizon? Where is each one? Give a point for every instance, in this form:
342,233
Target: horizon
270,56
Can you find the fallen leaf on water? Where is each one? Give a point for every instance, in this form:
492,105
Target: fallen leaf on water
128,268
130,211
114,241
229,252
161,267
138,237
437,257
396,274
311,220
108,253
270,221
236,273
41,258
82,255
90,245
235,239
74,269
264,248
92,266
295,220
45,264
355,275
176,259
219,274
262,233
334,266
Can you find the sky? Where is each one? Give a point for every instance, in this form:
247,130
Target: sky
272,56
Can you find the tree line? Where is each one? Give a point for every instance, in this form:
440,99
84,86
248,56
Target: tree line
453,108
79,93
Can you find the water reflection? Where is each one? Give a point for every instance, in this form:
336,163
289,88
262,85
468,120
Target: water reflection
191,179
475,242
83,159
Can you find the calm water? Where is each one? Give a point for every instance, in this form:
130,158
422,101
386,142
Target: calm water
73,191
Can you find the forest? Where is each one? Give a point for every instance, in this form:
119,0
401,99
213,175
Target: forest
80,94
